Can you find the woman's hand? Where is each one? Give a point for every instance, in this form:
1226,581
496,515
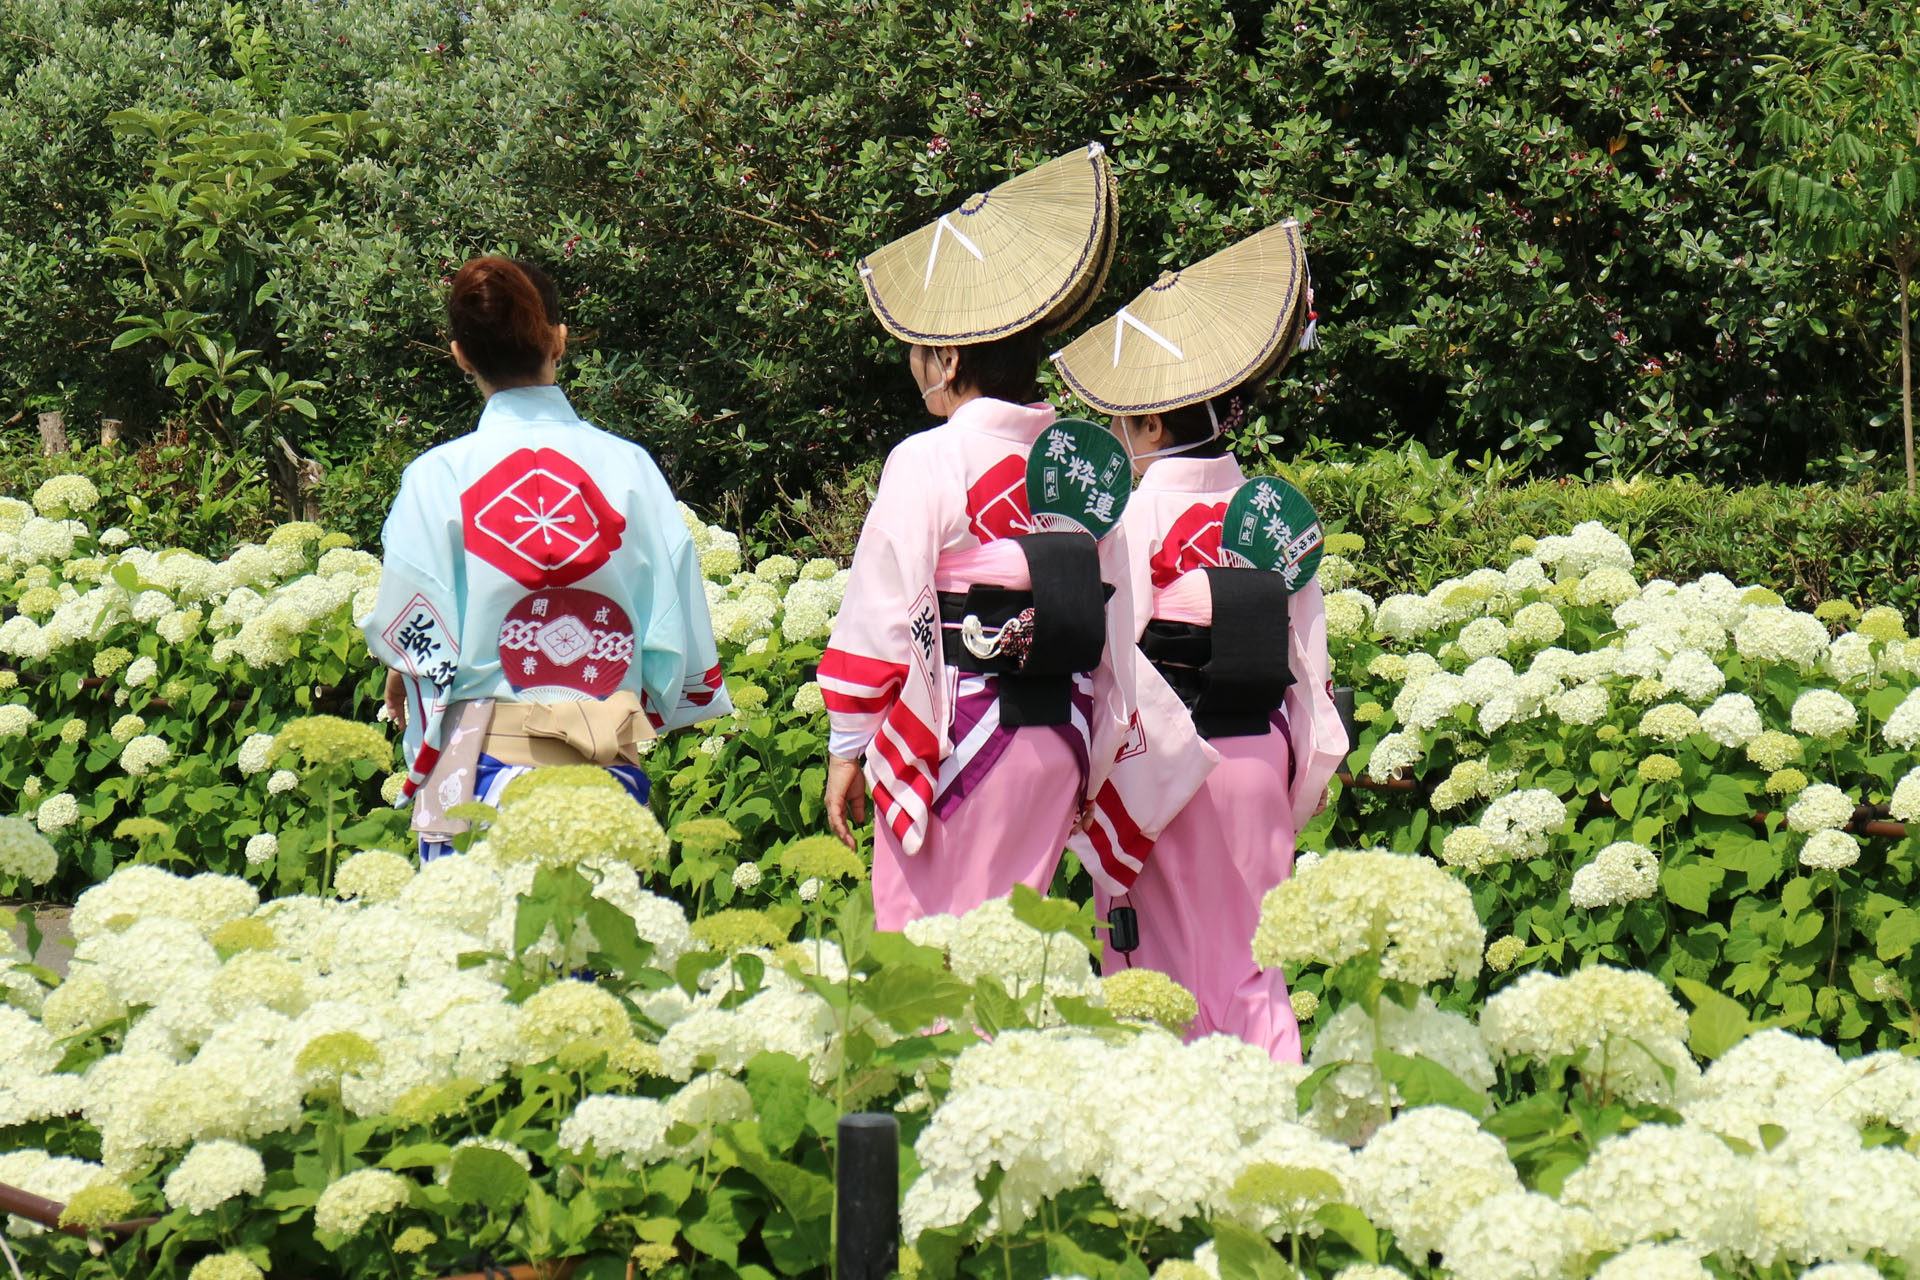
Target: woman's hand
397,699
846,793
1326,794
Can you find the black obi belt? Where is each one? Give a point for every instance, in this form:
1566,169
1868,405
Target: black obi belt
1034,641
1232,675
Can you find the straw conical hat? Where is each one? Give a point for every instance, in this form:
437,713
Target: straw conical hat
1032,251
1198,333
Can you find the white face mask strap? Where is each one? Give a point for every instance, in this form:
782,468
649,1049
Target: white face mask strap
1170,450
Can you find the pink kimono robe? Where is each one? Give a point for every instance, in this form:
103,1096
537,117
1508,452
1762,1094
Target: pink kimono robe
965,807
1199,898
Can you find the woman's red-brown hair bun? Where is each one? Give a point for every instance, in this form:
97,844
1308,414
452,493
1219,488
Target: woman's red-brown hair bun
502,313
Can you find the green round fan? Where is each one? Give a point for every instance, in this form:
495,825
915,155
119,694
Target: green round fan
1077,478
1269,524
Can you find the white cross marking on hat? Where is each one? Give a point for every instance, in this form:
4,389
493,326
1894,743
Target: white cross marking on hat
944,227
1122,319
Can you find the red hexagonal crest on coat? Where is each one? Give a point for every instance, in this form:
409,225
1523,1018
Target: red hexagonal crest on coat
539,518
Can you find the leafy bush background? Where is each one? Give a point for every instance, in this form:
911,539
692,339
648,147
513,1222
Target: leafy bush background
1533,231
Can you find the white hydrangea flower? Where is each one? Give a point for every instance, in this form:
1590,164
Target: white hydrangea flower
1830,851
1517,824
632,1129
1405,617
1654,1262
1905,804
1589,546
1669,722
1821,807
1902,729
1350,1103
282,781
57,812
25,853
1520,1235
373,875
1484,637
1605,586
140,672
1777,634
1585,703
1732,720
1393,755
145,753
1423,1171
15,720
1620,873
1427,700
1631,1033
355,1200
261,849
1850,659
1349,903
213,1173
256,753
1662,1180
1349,613
1694,675
1822,713
1538,623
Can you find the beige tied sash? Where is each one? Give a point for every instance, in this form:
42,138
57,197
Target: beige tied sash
603,732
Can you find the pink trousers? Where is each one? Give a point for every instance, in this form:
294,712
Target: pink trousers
1011,829
1198,900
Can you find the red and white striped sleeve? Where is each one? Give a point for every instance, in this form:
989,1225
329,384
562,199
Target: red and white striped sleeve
870,651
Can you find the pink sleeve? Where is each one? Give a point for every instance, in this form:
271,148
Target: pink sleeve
1317,736
868,655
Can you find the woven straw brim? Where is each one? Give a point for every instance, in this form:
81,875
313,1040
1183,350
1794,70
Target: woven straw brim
1030,252
1199,333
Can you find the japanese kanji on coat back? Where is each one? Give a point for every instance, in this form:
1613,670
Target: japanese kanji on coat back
540,559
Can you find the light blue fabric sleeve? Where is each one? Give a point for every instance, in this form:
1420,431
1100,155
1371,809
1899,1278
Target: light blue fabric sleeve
680,661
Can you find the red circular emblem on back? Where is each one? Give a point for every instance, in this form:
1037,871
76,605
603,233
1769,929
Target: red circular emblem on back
997,502
540,519
566,639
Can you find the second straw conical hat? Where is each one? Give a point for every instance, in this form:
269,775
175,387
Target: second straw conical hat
1198,333
1032,251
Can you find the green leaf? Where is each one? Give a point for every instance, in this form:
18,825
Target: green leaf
1723,797
780,1087
1246,1255
1897,934
487,1177
908,999
620,942
1048,915
1717,1022
1690,886
1352,1226
1424,1082
419,1155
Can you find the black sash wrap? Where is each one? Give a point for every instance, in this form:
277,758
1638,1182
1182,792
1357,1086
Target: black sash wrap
1069,603
1232,675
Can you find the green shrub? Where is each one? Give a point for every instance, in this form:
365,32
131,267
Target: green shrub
1534,234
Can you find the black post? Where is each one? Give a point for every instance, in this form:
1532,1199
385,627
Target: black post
868,1172
1343,702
